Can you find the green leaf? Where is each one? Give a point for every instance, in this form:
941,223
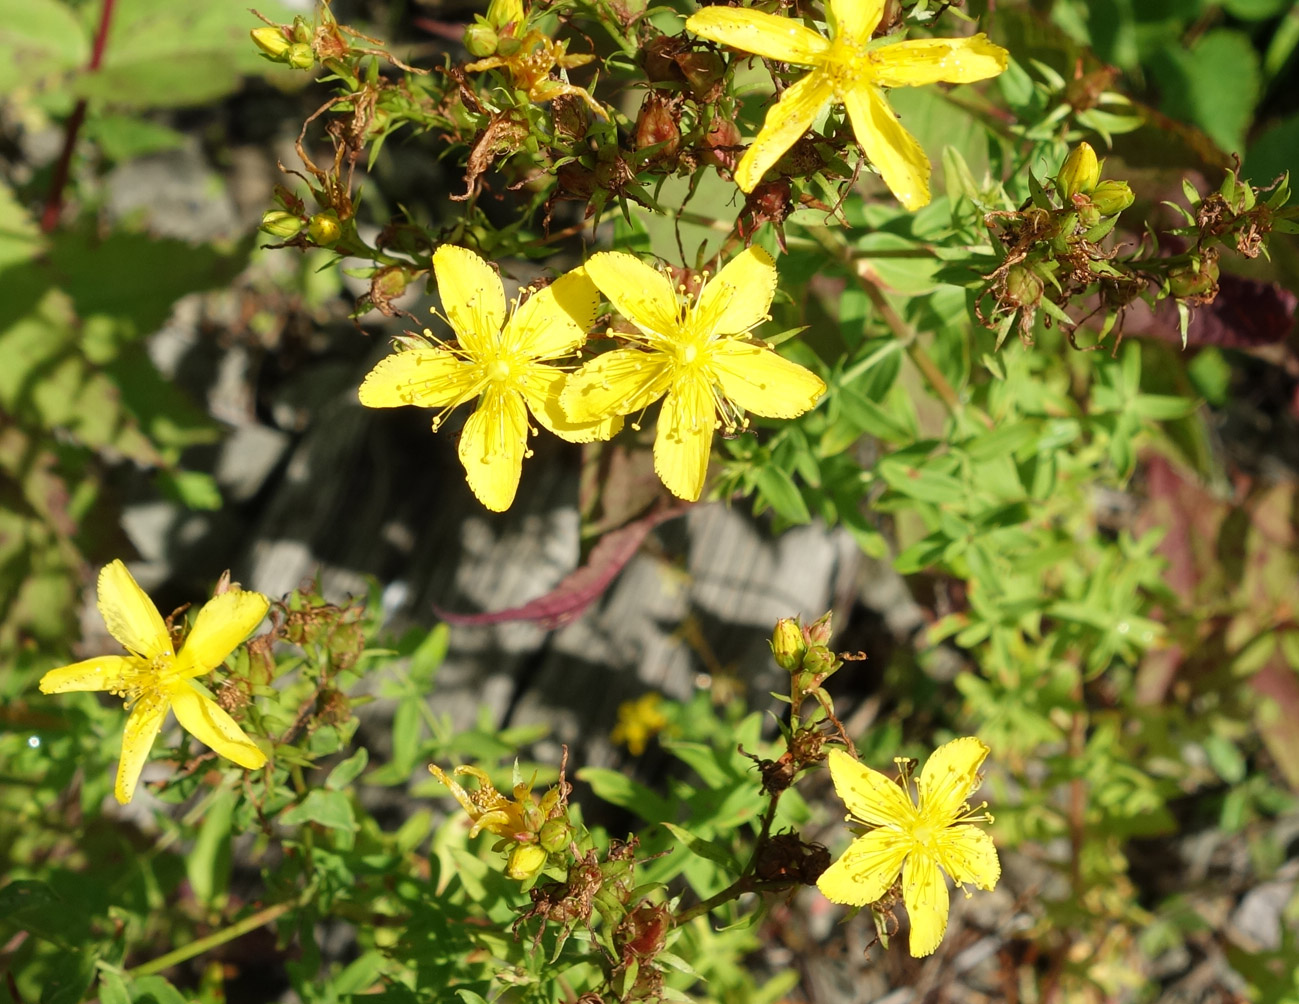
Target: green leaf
921,483
703,848
196,490
38,38
348,771
618,789
208,864
155,990
428,657
779,490
331,809
405,735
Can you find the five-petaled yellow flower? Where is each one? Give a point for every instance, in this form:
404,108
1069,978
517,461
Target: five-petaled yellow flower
498,360
153,678
917,840
849,70
697,351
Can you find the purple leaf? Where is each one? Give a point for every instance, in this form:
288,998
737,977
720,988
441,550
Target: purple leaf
580,588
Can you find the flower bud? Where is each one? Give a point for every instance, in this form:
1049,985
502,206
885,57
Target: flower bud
278,223
818,632
1196,280
1023,286
787,645
507,46
525,861
819,662
301,29
271,41
1079,173
481,39
702,70
324,228
501,13
300,56
1112,197
657,124
555,834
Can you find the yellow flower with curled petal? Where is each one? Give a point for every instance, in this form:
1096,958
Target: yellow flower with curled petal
847,69
154,678
696,350
502,362
919,840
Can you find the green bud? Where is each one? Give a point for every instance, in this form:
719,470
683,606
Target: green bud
324,228
819,631
820,661
278,223
1024,286
508,46
1079,173
271,41
301,30
787,644
481,39
1196,280
525,861
555,834
300,56
1112,197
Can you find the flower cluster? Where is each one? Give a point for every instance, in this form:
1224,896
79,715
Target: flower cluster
692,348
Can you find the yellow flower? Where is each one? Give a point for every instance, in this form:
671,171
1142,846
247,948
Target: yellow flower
638,722
698,353
847,70
517,818
916,840
499,361
153,678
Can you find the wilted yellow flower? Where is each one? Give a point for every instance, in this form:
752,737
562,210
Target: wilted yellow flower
639,721
530,65
696,350
519,818
920,841
153,678
500,361
847,69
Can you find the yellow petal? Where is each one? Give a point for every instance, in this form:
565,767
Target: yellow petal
762,382
786,121
857,19
102,673
553,322
207,722
129,613
685,436
620,382
428,378
739,296
541,388
866,870
643,295
949,777
766,35
221,625
142,727
492,447
931,60
924,891
895,153
969,856
472,297
869,795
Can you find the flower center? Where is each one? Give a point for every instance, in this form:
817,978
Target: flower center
153,676
846,66
499,370
923,834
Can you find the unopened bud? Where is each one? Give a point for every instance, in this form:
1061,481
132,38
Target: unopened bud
278,223
501,13
508,46
271,41
301,57
555,834
787,645
481,39
324,228
819,661
1195,280
657,124
1079,173
301,30
1023,286
1112,197
525,861
818,632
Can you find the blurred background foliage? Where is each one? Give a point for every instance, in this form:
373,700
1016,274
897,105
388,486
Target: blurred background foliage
1106,543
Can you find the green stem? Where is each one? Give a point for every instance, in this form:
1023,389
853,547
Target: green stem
226,934
745,883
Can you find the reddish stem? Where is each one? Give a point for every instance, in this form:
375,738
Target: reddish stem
54,202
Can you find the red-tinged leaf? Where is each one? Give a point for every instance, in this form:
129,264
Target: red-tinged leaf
581,588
